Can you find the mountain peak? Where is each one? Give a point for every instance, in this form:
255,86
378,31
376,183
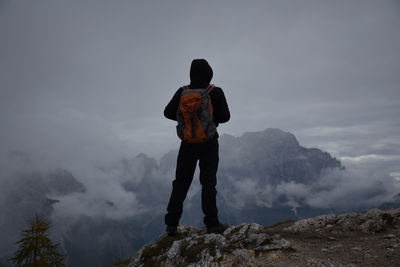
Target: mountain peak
273,156
273,135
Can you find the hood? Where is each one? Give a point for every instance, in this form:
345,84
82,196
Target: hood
201,73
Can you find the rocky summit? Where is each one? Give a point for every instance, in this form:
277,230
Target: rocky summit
239,245
369,238
371,221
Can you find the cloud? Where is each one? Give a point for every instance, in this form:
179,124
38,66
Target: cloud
353,189
395,175
370,158
64,138
104,199
296,66
348,189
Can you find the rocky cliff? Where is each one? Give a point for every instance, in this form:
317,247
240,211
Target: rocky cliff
369,238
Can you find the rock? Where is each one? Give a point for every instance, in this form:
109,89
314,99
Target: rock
250,244
371,221
276,236
174,249
329,227
276,244
389,236
336,246
245,244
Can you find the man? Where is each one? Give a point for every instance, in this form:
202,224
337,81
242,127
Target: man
189,153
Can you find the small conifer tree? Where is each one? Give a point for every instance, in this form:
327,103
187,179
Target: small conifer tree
35,247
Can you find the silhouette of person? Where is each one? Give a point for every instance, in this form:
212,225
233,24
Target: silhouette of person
207,153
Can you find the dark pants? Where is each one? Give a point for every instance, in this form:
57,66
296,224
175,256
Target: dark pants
207,154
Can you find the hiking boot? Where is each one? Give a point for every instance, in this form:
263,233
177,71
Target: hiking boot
172,230
219,229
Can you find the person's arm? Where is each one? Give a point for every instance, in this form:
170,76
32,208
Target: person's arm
172,107
221,109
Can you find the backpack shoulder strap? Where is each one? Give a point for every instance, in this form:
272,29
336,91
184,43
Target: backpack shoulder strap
210,88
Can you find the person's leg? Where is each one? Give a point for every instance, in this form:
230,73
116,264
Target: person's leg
185,167
208,156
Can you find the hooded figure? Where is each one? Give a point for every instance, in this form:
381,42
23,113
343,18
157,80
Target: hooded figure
201,73
207,153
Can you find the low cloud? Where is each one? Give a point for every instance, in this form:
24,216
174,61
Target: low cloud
352,189
370,158
349,189
107,200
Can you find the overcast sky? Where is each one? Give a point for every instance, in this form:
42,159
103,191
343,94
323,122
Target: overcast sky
83,81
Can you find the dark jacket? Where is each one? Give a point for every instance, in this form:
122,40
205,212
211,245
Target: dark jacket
201,74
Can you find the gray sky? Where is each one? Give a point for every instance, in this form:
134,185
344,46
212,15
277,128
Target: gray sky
86,81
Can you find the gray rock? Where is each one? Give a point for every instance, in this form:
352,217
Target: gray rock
371,221
174,249
249,244
336,246
389,236
237,246
276,244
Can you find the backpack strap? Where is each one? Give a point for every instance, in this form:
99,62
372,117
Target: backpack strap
210,88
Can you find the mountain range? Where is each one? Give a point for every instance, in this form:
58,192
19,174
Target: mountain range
264,177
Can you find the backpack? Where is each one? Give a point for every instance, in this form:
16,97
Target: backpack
195,115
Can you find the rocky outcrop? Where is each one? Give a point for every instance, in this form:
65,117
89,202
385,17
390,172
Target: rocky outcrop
371,221
242,245
369,238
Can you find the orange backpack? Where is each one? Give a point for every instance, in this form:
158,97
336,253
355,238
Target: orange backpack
195,115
